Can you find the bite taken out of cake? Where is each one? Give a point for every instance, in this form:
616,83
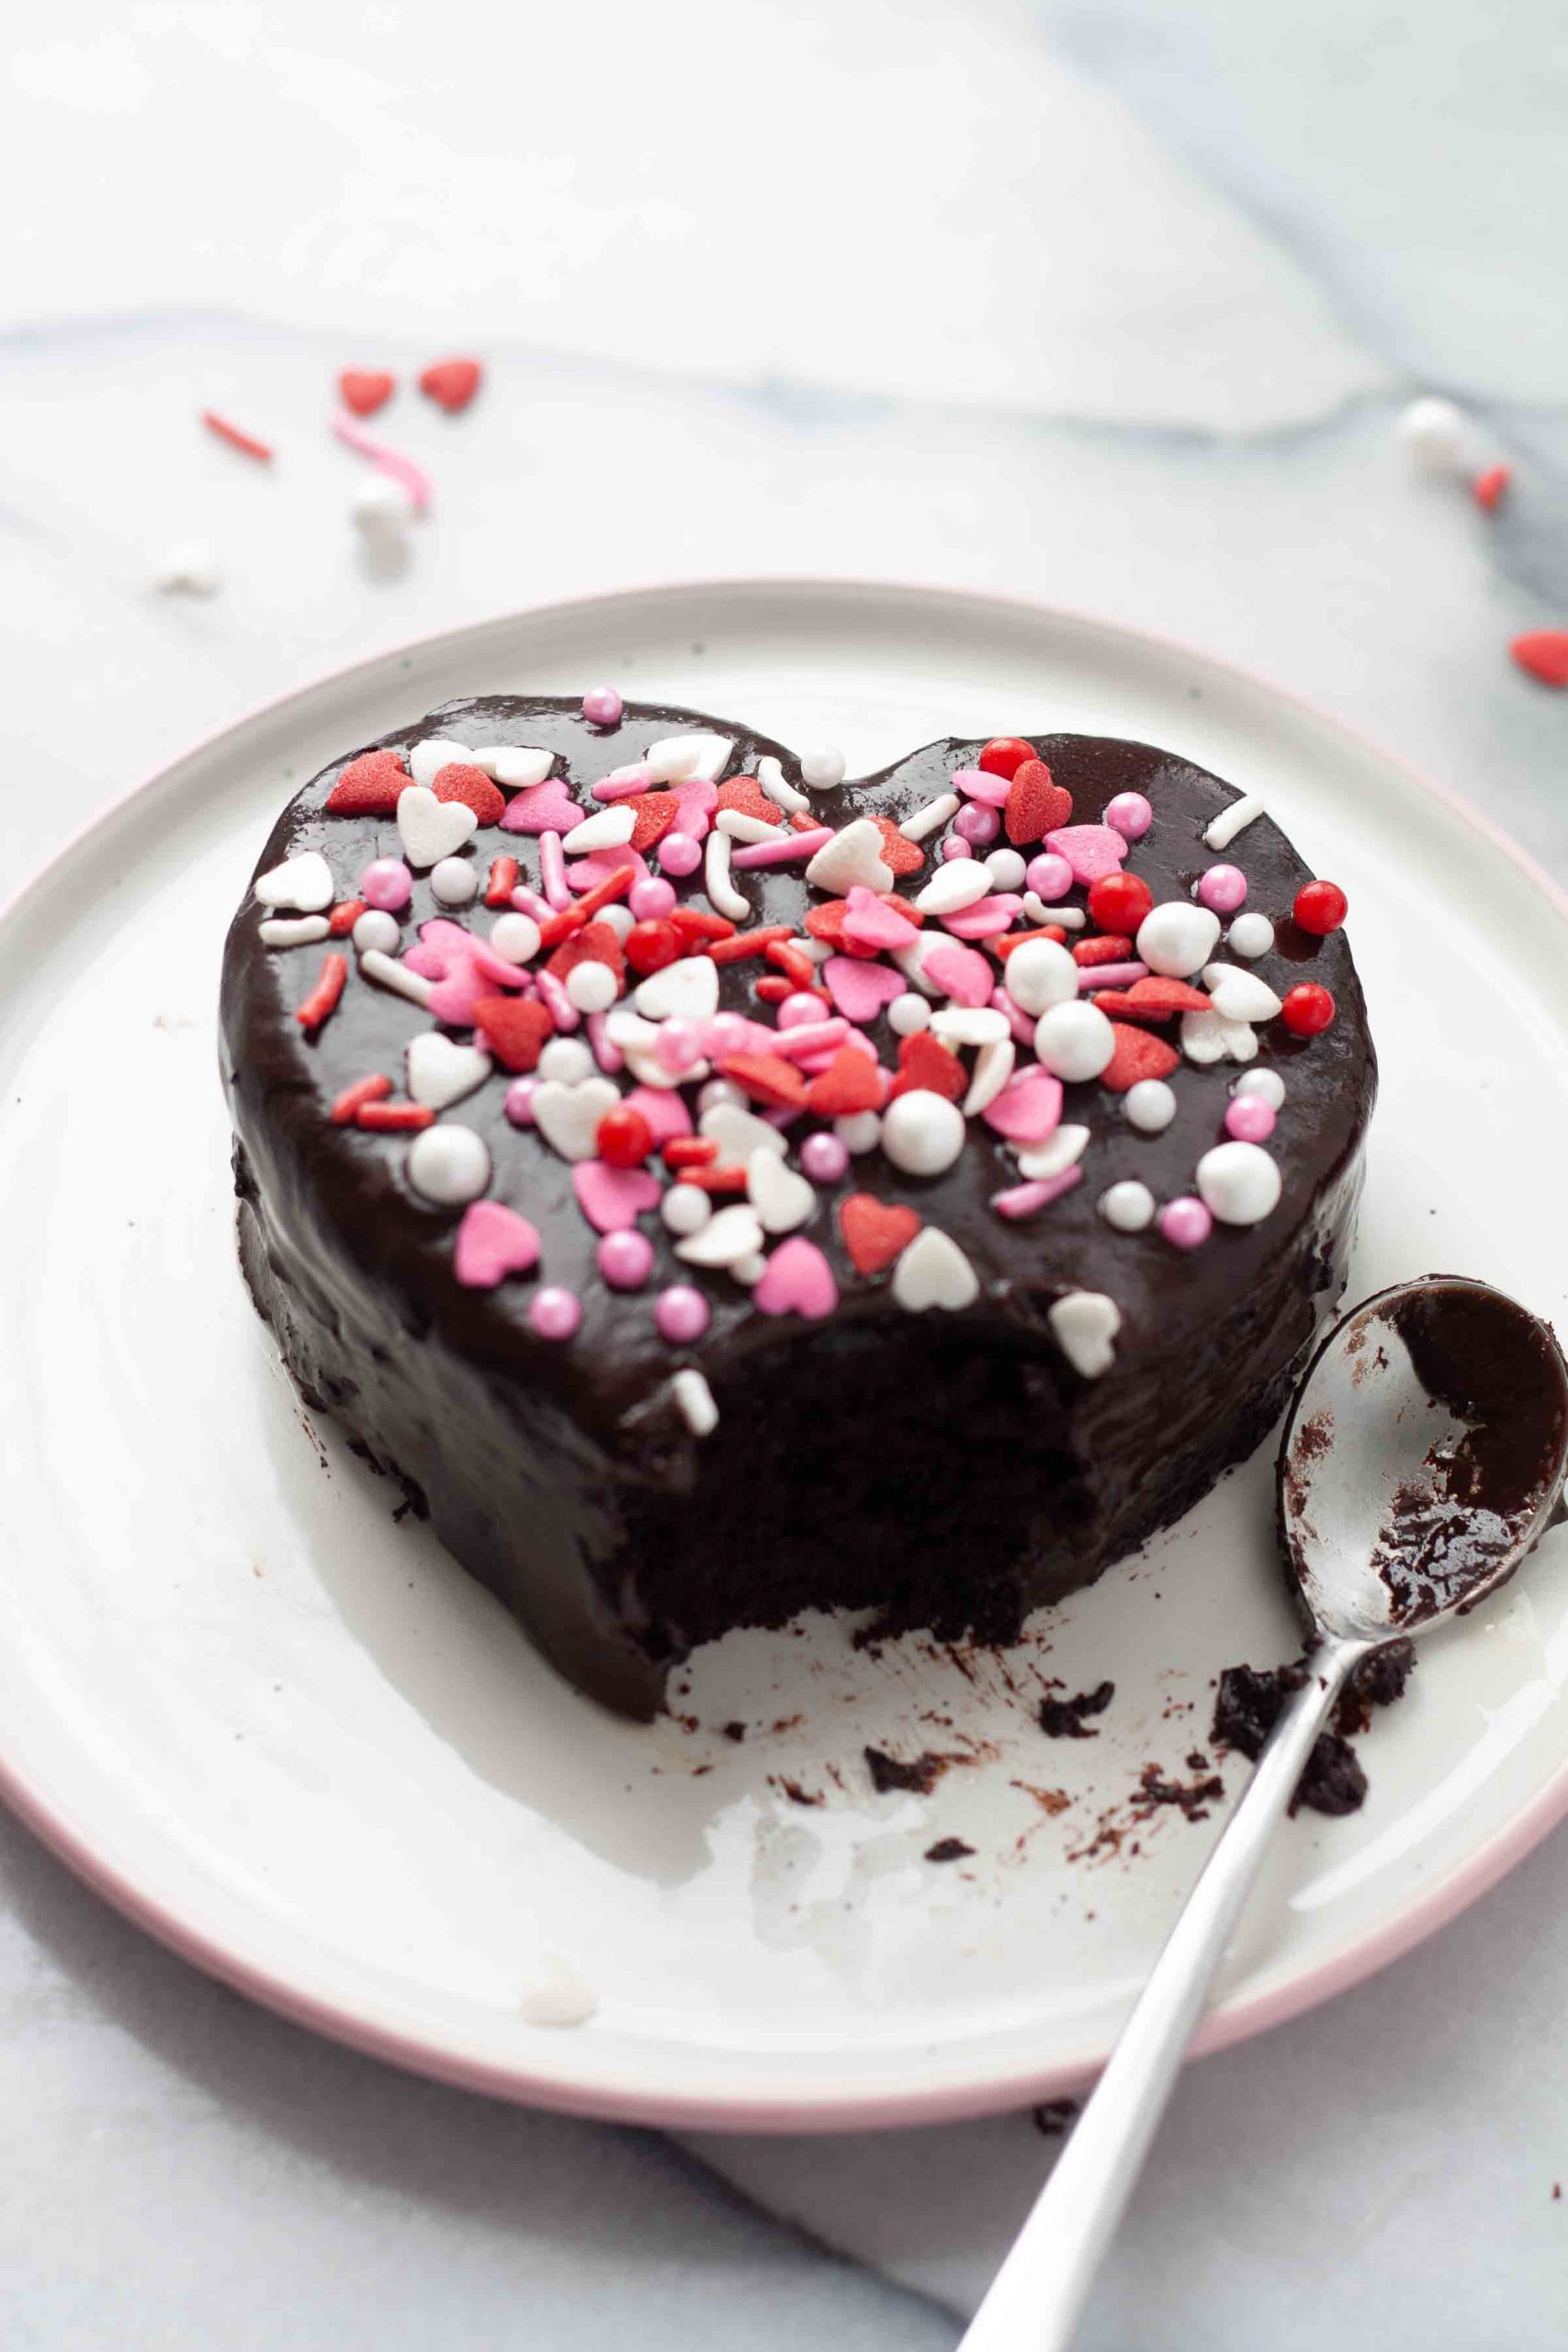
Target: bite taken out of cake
720,1190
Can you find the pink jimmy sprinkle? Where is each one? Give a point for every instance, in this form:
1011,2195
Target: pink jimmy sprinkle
1026,1200
1110,975
781,853
1018,1021
980,784
606,1053
552,871
402,469
802,1039
528,902
496,968
556,1002
622,783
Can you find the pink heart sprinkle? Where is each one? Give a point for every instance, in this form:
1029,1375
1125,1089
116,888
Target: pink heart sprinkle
872,923
965,975
696,800
587,872
664,1109
453,999
798,1280
612,1199
1028,1109
547,808
445,939
980,784
492,1242
987,919
430,963
1092,850
860,989
1027,1200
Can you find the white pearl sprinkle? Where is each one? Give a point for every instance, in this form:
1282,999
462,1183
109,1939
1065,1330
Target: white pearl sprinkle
190,570
1007,869
1439,436
448,1164
591,986
618,916
721,1090
1177,940
516,939
567,1060
375,933
556,1995
1040,974
1251,935
1150,1107
908,1013
685,1208
922,1132
382,505
821,767
1238,1182
858,1132
1074,1041
1128,1206
454,882
1267,1083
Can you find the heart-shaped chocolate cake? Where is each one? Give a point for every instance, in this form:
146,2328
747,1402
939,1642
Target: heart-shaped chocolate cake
718,1189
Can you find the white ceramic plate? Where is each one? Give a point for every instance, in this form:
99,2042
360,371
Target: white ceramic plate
286,1734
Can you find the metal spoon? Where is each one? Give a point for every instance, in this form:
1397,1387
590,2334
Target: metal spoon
1425,1455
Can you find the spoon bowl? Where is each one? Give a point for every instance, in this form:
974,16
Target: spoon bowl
1423,1457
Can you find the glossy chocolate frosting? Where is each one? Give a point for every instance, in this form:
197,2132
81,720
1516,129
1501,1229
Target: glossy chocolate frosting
947,1470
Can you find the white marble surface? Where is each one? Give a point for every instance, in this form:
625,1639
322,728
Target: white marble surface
1110,306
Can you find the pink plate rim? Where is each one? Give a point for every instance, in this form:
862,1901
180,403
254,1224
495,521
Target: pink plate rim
1234,2021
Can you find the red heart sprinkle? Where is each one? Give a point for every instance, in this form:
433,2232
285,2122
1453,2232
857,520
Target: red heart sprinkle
365,389
514,1029
451,383
926,1065
850,1084
1138,1055
744,793
369,786
874,1231
1035,805
1544,653
458,781
653,815
904,858
767,1077
596,942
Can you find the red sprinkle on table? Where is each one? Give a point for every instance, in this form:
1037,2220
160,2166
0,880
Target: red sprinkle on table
1543,652
451,383
364,390
246,443
352,1101
1320,907
319,1004
1488,488
394,1118
1307,1009
502,881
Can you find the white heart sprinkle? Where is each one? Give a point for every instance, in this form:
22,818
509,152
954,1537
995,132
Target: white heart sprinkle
1240,1039
969,1024
1059,1152
1239,996
821,767
427,759
734,1234
1203,1040
781,1199
440,1072
516,766
297,931
676,759
429,829
933,1271
958,884
852,858
607,829
304,883
1086,1323
567,1116
684,991
739,1133
993,1067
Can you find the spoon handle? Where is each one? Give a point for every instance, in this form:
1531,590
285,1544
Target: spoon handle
1037,2297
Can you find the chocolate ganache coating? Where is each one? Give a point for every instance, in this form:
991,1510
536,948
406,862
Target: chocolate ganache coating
945,1469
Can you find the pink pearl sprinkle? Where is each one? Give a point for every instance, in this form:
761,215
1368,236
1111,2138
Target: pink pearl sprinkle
953,848
681,1314
1222,889
679,853
725,1034
677,1045
555,1312
1048,876
1250,1119
796,1011
520,1102
1185,1223
1130,814
386,883
626,1259
978,823
824,1158
602,706
651,899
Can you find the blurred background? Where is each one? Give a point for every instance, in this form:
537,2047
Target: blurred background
1117,306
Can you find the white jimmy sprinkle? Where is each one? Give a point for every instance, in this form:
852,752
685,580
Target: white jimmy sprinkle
695,1399
929,819
388,973
298,932
1232,820
723,896
771,777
